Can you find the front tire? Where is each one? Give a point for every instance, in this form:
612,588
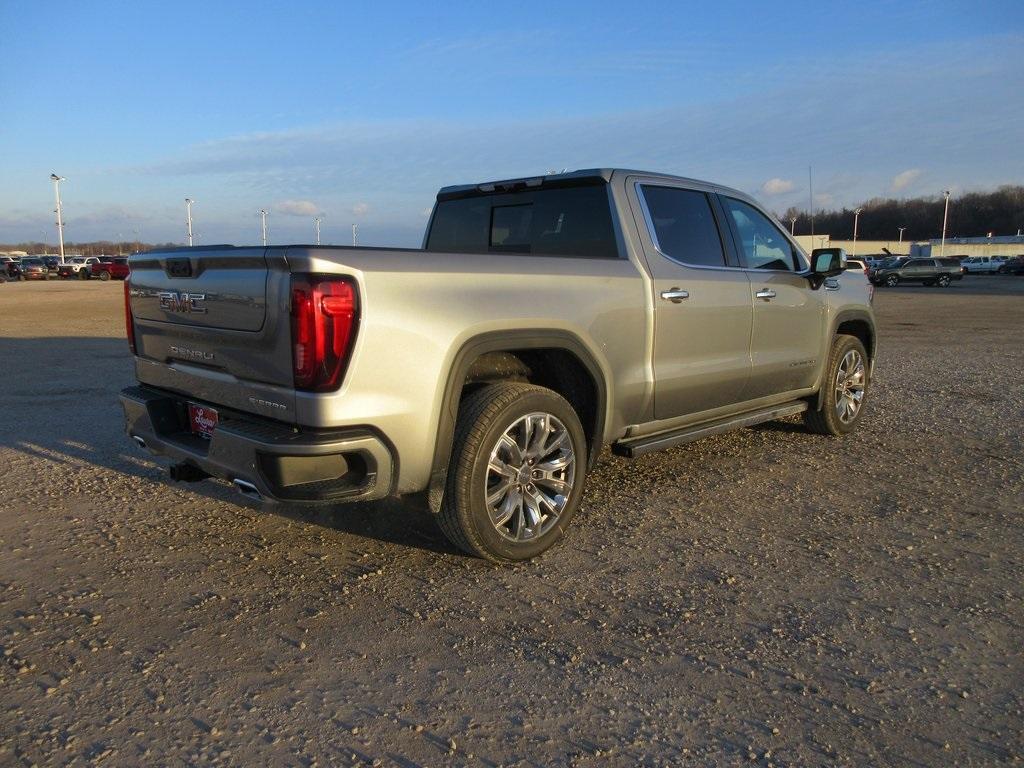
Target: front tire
844,386
892,280
516,473
104,275
943,281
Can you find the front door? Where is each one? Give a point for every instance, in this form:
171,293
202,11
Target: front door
788,314
701,303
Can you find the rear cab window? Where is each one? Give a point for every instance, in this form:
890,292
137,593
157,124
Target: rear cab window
683,226
573,221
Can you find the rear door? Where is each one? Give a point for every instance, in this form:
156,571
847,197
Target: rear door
214,324
788,315
701,300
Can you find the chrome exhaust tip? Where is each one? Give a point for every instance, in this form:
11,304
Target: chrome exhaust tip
247,489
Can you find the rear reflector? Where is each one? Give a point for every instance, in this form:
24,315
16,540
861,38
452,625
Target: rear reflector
324,317
129,322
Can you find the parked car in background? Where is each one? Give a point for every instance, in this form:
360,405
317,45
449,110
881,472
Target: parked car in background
9,266
890,263
1012,266
982,264
939,272
34,269
77,266
857,264
115,268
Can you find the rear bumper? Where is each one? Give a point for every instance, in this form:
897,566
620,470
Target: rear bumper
279,462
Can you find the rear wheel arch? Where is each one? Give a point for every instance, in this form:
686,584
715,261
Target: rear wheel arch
555,359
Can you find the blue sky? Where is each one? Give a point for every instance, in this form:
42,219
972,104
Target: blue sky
360,111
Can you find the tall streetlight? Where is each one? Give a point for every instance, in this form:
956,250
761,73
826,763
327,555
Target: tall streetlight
316,223
263,225
355,227
945,219
792,225
188,219
856,218
59,211
901,233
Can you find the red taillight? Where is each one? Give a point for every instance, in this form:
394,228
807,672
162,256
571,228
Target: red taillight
129,323
323,327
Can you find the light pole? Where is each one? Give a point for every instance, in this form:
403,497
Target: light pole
354,228
901,233
316,223
263,225
792,225
856,218
59,211
945,219
188,219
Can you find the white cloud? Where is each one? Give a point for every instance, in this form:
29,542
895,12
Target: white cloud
777,186
297,208
360,209
905,179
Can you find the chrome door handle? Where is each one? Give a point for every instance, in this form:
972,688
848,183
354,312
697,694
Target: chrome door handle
766,294
676,295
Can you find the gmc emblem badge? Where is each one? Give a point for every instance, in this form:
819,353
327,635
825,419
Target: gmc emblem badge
182,302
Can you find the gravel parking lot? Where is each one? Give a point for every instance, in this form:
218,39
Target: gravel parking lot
766,597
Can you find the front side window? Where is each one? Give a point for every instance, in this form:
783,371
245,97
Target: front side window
684,225
762,244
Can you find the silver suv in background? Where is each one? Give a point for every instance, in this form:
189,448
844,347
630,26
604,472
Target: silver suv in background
543,319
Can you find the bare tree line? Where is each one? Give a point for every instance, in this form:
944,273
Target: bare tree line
974,214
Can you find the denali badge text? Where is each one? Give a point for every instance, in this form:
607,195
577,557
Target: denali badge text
191,354
182,302
268,403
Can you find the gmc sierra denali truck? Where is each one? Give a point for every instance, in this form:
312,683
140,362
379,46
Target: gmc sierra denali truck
542,319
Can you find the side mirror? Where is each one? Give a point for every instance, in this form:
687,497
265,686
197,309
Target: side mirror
826,262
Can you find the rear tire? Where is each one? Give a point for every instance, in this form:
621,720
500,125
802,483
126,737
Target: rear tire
83,275
892,280
844,387
943,281
515,478
104,275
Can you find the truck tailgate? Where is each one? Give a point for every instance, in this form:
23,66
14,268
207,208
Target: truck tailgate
213,324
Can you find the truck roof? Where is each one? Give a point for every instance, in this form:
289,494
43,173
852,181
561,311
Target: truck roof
583,177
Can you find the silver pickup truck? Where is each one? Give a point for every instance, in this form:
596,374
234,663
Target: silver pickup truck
543,319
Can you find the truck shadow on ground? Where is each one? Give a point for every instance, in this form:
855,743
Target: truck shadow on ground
62,411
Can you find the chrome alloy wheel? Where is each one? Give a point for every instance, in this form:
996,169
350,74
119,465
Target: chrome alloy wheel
529,477
850,380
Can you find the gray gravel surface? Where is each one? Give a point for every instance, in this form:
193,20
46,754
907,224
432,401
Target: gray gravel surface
766,597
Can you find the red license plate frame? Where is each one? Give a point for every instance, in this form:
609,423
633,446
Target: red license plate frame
202,420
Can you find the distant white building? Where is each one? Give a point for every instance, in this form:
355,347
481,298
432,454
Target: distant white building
1004,245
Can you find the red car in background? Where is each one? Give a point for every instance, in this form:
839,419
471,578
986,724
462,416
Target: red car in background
116,268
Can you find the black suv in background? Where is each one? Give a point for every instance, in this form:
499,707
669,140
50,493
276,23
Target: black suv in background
939,272
1014,266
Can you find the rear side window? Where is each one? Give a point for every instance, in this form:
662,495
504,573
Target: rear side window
569,221
761,242
684,225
